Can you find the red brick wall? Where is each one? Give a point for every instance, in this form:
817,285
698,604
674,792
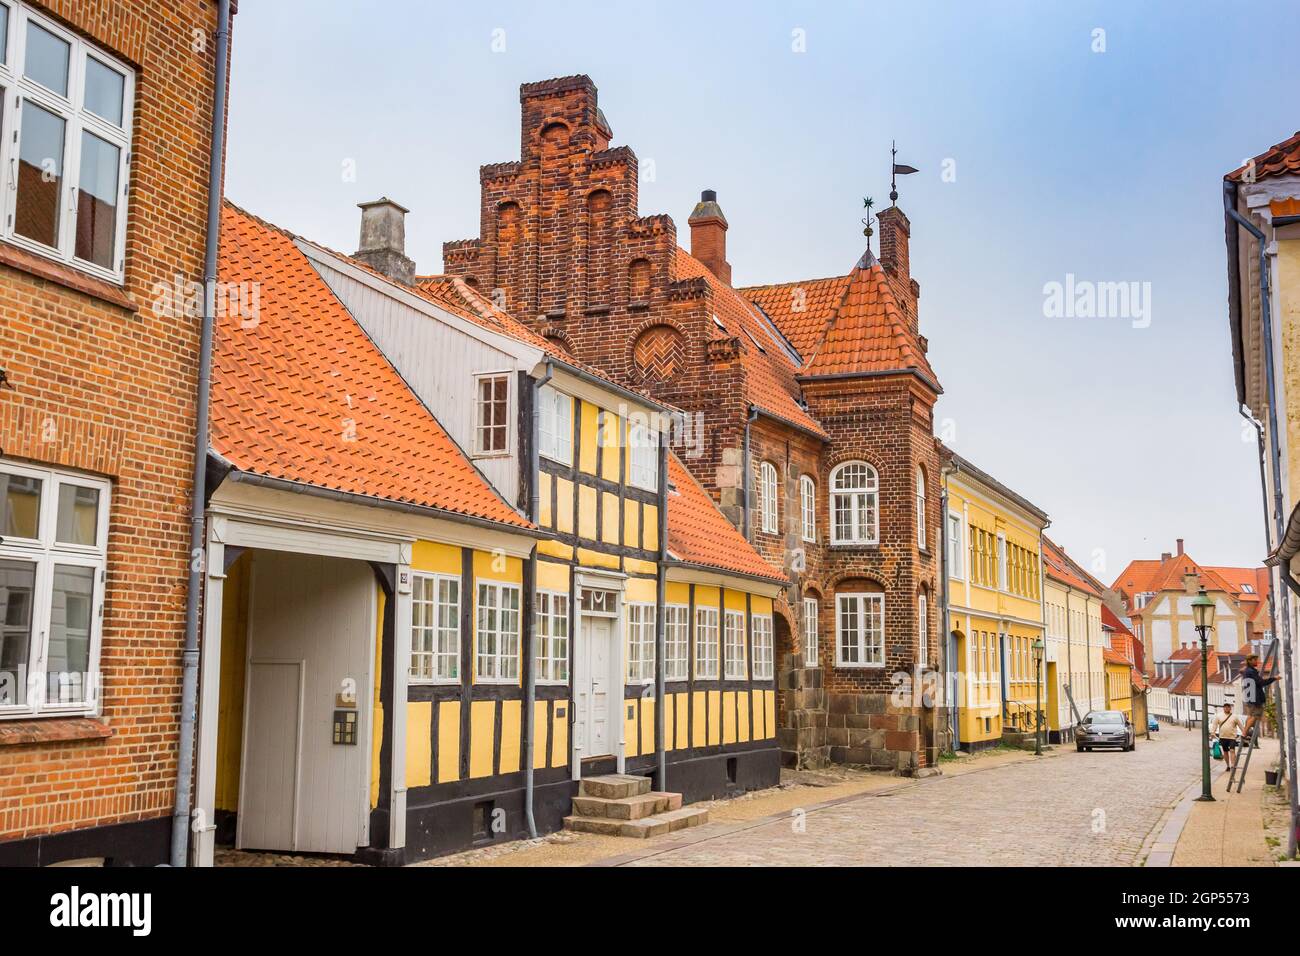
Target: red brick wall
106,387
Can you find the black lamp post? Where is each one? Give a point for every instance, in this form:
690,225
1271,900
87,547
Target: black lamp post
1038,696
1203,621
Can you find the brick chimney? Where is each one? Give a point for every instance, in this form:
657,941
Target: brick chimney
895,231
709,235
383,240
1180,547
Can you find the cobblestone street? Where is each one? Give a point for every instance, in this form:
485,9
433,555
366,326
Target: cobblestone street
1067,809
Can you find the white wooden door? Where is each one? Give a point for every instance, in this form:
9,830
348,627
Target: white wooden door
594,690
319,614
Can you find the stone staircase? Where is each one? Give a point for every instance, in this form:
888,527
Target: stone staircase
622,805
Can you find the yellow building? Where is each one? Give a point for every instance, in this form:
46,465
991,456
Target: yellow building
993,575
1075,673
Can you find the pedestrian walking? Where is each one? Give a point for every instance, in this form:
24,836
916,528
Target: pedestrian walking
1227,728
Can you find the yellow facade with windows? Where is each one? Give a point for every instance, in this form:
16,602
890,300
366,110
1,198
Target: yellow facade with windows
1119,688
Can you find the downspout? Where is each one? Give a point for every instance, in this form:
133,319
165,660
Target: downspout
747,477
661,588
530,666
1266,320
945,614
190,655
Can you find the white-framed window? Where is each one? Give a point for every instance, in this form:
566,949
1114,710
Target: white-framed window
435,628
763,650
492,414
854,500
765,493
1002,561
551,614
810,612
53,548
920,509
808,507
555,430
923,629
640,643
706,643
677,639
860,630
498,632
956,553
642,457
733,645
66,143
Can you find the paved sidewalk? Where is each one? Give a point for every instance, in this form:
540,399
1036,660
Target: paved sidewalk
1231,830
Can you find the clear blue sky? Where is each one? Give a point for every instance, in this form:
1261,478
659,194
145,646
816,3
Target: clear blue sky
1104,165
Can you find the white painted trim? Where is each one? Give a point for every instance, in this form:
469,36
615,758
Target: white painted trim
401,665
874,597
683,575
202,846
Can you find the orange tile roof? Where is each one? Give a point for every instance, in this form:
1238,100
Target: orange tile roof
1058,566
290,392
1189,680
769,371
801,310
699,534
1167,574
1279,160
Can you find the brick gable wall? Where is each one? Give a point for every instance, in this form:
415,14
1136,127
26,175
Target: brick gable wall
104,383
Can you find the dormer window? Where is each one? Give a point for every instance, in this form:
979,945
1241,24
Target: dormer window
492,414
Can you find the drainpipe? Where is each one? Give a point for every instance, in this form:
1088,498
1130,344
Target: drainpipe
945,614
747,477
1266,320
534,514
190,656
661,587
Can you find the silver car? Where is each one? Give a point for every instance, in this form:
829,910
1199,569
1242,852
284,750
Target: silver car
1105,728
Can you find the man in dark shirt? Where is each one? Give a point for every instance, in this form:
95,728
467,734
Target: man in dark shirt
1253,691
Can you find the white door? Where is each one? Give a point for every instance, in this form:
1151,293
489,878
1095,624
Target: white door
593,686
310,647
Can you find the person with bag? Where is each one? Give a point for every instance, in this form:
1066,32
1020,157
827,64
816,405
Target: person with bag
1226,728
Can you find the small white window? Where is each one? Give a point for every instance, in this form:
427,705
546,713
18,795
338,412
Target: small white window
923,630
808,507
552,637
763,661
860,630
677,637
643,457
640,643
920,509
435,628
53,547
733,646
810,611
706,643
555,430
492,415
956,553
498,632
765,493
854,502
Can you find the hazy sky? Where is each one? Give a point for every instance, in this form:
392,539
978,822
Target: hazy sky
1102,165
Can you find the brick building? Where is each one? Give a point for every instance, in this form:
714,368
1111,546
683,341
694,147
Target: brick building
110,104
810,407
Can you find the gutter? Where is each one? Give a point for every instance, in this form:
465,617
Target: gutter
530,624
885,373
713,569
190,654
748,478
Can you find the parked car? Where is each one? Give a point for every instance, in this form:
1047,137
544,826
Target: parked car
1152,723
1105,728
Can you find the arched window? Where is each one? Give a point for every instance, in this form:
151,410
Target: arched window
765,496
855,495
808,507
920,508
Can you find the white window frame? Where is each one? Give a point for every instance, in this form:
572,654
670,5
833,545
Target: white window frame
708,643
765,488
868,492
642,457
920,508
44,552
480,451
677,642
956,546
499,666
1003,582
811,608
808,507
77,119
854,605
764,664
923,629
551,660
438,671
640,622
555,428
734,664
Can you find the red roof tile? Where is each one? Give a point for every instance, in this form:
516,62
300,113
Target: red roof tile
801,310
1058,566
304,395
1280,160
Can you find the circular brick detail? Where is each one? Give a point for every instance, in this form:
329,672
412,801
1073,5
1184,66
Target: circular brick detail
659,353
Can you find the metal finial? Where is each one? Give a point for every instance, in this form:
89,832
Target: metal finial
896,169
867,203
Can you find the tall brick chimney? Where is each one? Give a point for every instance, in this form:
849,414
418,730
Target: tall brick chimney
1180,546
895,230
383,240
709,235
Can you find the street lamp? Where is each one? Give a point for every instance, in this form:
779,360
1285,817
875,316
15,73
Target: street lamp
1203,621
1038,696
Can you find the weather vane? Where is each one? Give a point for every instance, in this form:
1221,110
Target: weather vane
867,203
897,169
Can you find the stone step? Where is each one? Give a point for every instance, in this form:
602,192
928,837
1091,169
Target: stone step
656,825
627,808
614,786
